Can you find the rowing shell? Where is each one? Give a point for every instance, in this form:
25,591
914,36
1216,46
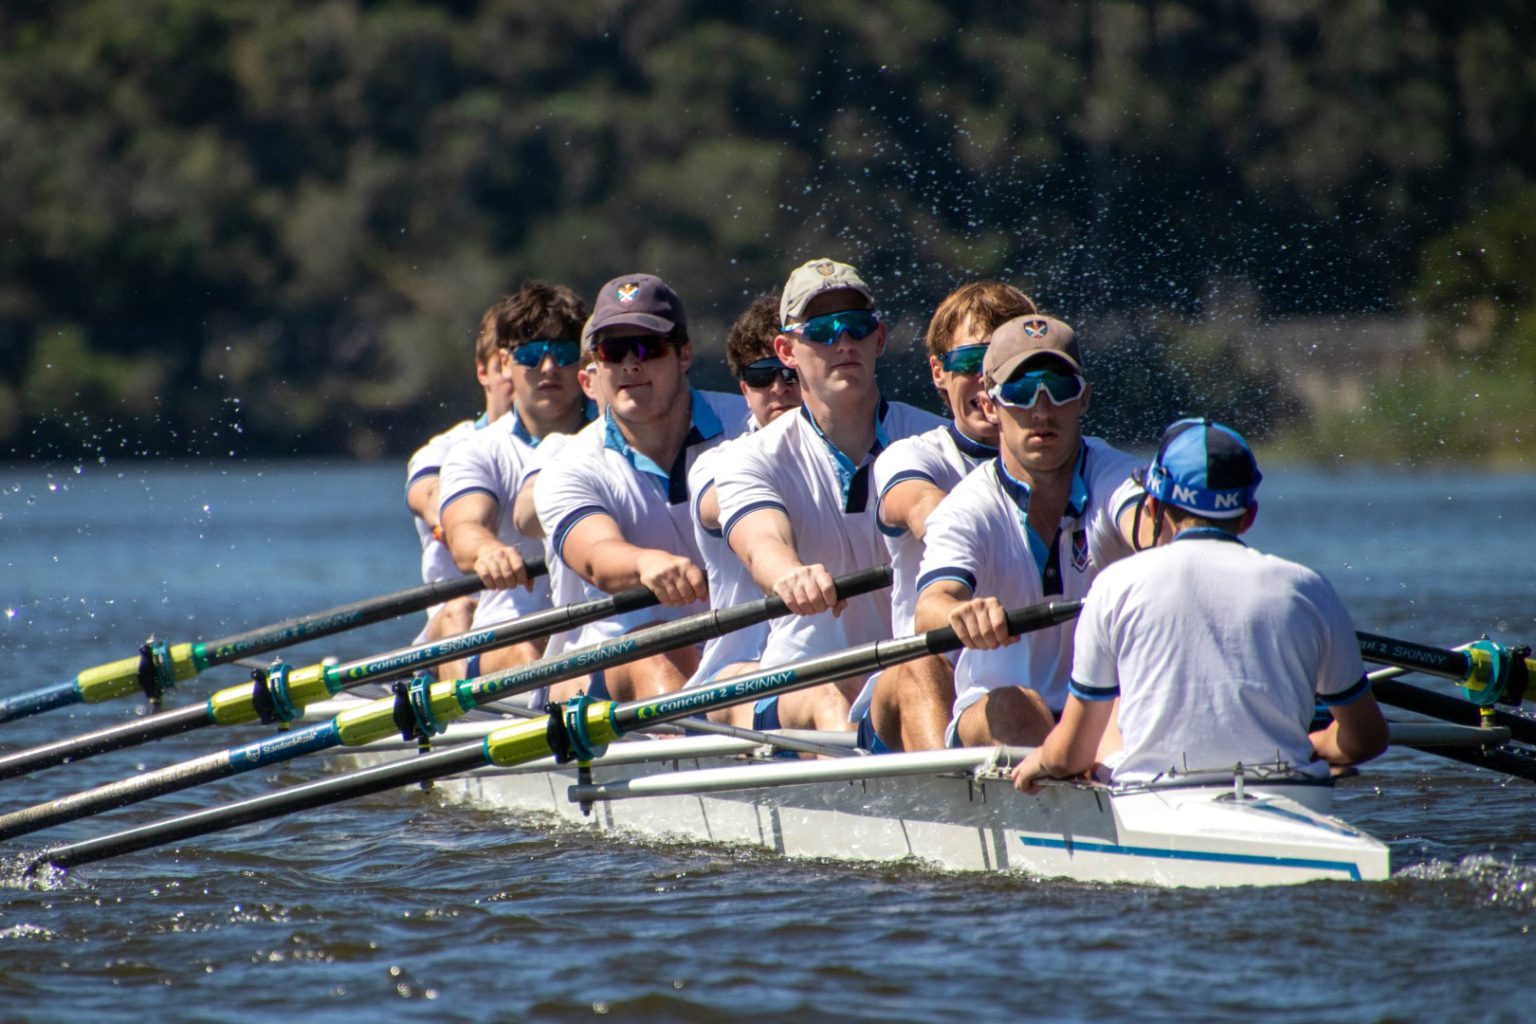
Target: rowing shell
953,810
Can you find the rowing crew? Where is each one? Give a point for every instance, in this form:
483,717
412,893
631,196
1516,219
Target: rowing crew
594,447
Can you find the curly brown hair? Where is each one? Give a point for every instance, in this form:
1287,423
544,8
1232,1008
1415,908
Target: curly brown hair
751,336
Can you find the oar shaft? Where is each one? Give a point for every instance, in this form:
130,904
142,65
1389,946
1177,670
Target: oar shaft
272,805
115,737
1437,661
1450,709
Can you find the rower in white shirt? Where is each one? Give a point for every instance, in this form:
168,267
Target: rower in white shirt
770,389
1038,521
796,499
614,506
422,478
907,707
1216,654
540,328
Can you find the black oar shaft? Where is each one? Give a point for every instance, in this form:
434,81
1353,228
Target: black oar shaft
115,737
343,618
1436,661
321,793
1450,709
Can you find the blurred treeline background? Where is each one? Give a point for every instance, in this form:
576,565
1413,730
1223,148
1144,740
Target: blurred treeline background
270,226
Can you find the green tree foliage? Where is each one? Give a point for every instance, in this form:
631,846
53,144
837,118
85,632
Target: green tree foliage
271,226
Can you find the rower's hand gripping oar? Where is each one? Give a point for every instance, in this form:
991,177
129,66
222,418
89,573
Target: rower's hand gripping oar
421,711
280,694
574,731
158,666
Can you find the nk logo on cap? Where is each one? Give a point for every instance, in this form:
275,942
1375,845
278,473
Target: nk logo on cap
627,292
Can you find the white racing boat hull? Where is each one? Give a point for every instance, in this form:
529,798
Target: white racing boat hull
954,813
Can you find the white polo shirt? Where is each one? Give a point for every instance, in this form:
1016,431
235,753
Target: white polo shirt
1216,652
729,581
492,462
436,562
599,473
979,535
790,465
942,457
565,587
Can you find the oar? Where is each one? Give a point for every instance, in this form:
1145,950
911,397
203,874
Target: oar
579,727
1487,672
158,667
280,694
419,710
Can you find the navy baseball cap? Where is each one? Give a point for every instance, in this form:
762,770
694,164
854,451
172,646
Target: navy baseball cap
636,300
1204,468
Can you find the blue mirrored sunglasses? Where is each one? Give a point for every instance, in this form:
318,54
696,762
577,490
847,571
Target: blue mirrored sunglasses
764,372
532,353
965,359
1023,390
858,324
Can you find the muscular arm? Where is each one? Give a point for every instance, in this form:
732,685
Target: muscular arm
907,504
421,498
1070,748
1358,733
765,543
596,549
980,622
709,509
524,515
469,530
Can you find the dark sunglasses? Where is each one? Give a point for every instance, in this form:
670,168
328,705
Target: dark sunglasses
858,324
764,372
532,353
965,359
644,348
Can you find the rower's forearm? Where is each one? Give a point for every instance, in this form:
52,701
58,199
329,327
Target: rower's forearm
466,541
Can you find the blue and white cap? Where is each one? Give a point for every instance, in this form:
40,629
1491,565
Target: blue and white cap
1204,468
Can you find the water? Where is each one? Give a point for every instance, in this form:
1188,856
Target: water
397,908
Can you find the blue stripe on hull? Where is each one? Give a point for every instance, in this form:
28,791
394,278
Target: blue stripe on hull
1352,871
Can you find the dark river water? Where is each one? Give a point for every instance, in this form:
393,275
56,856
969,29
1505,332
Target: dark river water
398,908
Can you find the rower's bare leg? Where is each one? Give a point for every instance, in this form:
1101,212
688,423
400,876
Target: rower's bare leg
1010,714
453,618
495,660
637,680
818,707
911,703
739,715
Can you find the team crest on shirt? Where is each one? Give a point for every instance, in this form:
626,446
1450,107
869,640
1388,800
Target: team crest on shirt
826,269
628,291
1037,328
1079,548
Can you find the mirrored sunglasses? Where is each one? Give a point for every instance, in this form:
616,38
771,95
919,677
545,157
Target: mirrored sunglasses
965,359
644,348
532,353
858,324
764,372
1023,390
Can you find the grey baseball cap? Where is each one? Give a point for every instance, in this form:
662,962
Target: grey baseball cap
1024,337
635,300
811,279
